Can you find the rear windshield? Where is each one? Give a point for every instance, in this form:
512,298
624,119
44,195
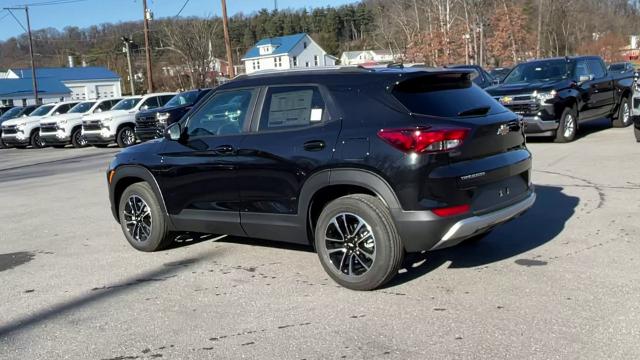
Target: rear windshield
445,95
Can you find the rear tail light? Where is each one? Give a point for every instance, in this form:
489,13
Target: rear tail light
423,140
452,210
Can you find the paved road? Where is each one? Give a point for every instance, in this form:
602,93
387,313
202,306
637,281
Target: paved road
560,282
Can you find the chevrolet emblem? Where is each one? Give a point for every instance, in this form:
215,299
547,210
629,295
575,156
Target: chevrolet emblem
506,100
503,130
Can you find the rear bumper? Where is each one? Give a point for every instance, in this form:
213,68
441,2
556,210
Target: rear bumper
469,227
423,230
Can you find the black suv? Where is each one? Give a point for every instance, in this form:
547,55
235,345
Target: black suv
363,164
150,124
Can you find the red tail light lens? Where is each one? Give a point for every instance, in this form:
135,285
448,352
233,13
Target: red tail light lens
452,210
424,140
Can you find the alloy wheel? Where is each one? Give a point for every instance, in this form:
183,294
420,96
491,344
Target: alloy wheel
80,140
128,136
626,113
137,217
569,126
350,244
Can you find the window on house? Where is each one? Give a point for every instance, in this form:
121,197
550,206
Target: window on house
306,64
295,61
278,62
304,44
316,60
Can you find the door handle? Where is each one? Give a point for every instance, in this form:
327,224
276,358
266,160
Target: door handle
223,149
314,145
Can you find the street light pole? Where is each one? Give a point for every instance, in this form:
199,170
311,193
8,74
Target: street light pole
227,41
147,44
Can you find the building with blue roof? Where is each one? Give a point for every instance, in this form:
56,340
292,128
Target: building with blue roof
286,52
58,84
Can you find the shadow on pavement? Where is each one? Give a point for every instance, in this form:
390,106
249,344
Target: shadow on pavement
541,224
161,273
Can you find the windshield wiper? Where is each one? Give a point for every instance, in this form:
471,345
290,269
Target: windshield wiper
479,111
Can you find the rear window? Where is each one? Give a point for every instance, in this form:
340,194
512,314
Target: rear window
445,95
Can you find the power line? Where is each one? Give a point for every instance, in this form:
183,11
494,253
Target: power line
53,2
182,8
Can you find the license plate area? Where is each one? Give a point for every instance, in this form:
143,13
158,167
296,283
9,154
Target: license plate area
500,193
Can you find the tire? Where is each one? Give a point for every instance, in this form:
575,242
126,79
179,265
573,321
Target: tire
144,227
36,142
568,126
77,140
624,114
126,137
370,220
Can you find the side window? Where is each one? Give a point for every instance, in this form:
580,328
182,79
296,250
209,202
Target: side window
103,106
597,69
150,103
63,109
165,99
582,69
291,107
224,114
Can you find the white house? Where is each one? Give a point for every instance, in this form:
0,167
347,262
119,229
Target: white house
366,57
83,83
286,52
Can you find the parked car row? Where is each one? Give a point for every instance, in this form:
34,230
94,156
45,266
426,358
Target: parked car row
79,123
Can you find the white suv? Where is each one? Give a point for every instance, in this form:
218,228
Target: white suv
25,131
118,124
64,129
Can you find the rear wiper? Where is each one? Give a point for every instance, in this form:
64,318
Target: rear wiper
479,111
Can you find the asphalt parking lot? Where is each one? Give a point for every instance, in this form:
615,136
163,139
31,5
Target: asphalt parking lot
560,282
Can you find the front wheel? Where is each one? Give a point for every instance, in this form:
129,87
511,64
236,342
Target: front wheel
357,242
142,220
36,141
568,126
624,114
126,136
77,140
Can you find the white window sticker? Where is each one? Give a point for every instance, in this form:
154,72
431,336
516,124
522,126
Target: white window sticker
316,115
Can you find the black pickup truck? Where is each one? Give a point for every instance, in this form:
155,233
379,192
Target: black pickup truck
555,96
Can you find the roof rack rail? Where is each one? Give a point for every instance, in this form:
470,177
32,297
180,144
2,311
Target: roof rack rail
301,70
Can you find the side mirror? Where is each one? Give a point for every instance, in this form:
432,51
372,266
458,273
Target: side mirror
495,82
173,132
144,107
56,113
98,110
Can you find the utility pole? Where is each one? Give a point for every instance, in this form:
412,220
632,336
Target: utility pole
33,61
147,44
127,48
227,41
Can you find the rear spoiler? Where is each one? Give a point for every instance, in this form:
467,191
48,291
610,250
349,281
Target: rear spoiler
436,80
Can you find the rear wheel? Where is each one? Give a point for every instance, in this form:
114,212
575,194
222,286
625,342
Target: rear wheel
126,136
142,220
357,242
77,140
36,141
624,114
568,126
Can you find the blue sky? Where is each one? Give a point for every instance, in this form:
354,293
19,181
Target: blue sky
84,13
